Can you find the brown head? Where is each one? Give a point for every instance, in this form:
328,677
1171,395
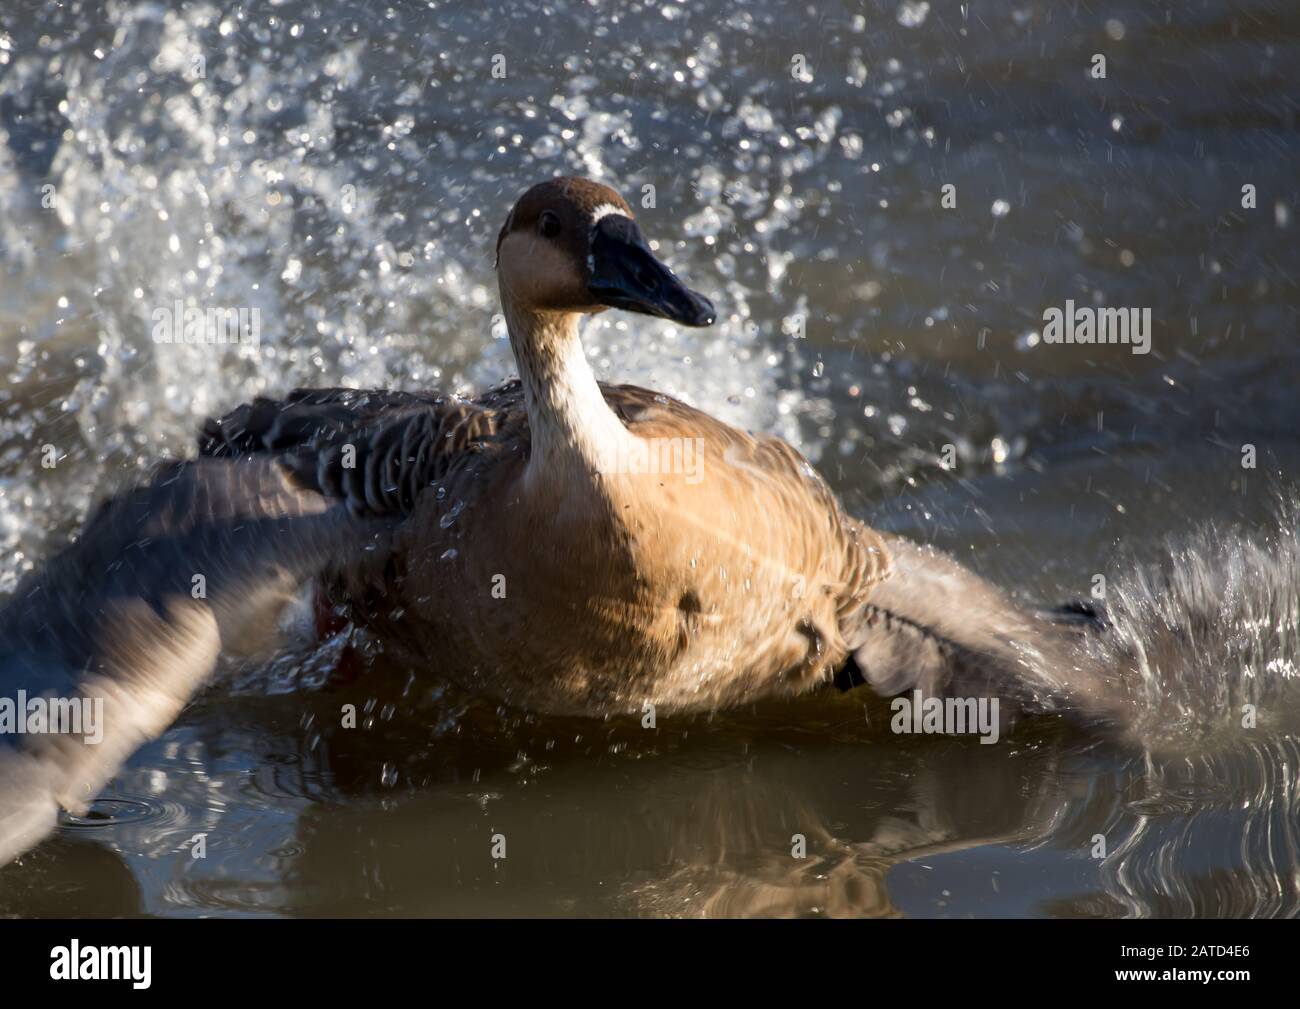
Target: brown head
571,245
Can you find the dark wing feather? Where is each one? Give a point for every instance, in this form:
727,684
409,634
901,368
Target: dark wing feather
375,450
303,418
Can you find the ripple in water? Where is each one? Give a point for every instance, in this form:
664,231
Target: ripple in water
110,811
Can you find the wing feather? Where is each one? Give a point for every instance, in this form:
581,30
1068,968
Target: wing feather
132,617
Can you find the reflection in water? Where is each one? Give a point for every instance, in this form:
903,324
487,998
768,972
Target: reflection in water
1182,838
1206,835
697,819
69,878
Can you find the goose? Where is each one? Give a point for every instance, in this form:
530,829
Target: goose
558,544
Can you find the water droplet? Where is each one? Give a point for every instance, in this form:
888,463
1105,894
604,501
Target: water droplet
545,146
912,13
451,515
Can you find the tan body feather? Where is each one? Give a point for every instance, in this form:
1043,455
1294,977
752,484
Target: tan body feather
599,593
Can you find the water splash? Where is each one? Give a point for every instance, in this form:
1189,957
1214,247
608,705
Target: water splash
303,166
1210,640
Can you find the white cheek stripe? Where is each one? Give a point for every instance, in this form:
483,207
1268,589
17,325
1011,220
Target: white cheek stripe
604,210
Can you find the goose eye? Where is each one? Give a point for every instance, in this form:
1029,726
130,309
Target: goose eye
550,225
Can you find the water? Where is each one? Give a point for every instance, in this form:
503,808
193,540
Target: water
345,172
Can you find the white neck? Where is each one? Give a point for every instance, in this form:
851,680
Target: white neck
573,430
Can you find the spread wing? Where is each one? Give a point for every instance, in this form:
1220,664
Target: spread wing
129,620
940,628
126,624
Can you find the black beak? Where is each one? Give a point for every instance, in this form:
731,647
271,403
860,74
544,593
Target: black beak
625,274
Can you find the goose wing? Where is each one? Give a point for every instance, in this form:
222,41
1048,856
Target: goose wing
126,624
129,620
374,450
937,627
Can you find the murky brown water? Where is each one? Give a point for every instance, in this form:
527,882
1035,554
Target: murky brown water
817,199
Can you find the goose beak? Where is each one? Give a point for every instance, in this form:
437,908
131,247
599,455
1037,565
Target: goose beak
625,274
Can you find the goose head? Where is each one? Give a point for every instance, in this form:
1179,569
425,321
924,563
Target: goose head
571,246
